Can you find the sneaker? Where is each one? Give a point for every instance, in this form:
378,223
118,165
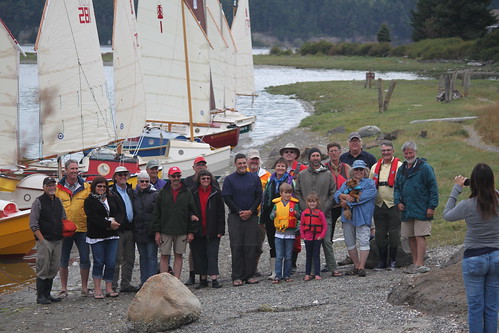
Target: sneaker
129,289
325,269
380,267
346,261
411,269
422,269
392,266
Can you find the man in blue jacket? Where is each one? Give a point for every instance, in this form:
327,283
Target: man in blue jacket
416,196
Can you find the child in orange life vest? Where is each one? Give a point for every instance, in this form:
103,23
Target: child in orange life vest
313,229
286,213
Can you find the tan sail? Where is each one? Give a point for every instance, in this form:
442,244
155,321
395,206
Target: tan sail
75,111
9,98
129,95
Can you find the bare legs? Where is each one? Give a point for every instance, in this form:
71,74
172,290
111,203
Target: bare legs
359,261
177,264
418,249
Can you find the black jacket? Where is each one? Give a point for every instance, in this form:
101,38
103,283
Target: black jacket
125,224
98,226
143,206
215,213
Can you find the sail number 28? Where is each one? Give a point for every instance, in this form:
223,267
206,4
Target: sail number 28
84,14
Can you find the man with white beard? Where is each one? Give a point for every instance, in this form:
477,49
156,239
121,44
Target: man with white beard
416,196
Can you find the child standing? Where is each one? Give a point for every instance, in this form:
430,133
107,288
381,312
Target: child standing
286,213
313,229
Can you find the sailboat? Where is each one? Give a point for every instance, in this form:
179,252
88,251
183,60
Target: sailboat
175,64
15,234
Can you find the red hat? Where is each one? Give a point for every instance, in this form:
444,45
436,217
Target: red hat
199,159
173,170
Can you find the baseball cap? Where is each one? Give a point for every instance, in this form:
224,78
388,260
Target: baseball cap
48,180
252,153
199,159
173,170
354,135
152,164
359,164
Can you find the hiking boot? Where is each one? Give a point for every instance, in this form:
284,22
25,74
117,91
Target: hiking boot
346,261
203,283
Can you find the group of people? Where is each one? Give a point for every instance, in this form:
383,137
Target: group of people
386,199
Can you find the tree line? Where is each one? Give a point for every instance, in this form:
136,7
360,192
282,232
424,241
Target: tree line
296,21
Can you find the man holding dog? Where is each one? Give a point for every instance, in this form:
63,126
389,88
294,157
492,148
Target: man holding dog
386,214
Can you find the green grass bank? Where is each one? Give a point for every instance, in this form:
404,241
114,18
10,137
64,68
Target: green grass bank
349,104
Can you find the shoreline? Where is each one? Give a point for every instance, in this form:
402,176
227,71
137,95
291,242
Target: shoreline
346,304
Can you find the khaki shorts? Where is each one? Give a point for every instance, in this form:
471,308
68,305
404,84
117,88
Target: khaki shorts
179,243
415,228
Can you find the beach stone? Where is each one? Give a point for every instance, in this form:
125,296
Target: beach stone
339,129
163,303
370,130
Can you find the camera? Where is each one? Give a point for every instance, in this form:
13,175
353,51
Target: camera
467,182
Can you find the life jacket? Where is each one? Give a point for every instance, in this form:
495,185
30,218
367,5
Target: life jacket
285,215
347,190
392,174
312,222
296,168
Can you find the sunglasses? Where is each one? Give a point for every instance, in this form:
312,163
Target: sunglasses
175,176
122,174
101,186
144,181
289,152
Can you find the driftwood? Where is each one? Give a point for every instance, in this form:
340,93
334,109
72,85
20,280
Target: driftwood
383,102
454,120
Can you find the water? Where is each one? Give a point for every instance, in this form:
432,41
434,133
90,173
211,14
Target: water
275,113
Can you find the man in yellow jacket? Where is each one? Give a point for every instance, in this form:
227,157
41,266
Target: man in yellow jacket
73,190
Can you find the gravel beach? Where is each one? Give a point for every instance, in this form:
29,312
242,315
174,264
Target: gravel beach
339,304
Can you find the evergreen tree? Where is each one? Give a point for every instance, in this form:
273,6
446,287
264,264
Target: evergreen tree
383,34
451,18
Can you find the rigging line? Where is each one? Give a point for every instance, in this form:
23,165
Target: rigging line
91,90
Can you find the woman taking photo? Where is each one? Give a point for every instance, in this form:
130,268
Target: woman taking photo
481,245
206,241
103,217
271,192
143,204
358,227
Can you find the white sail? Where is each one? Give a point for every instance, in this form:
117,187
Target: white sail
75,111
241,31
129,95
9,97
230,71
217,54
164,63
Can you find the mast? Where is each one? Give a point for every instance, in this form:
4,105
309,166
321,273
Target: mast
187,73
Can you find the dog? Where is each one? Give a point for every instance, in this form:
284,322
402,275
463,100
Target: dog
354,190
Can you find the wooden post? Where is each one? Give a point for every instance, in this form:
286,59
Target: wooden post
466,83
389,95
447,88
453,84
380,95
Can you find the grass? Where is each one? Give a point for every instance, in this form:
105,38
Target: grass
377,64
349,104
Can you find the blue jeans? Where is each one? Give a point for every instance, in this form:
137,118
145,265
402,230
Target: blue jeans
284,251
79,238
148,259
481,281
104,253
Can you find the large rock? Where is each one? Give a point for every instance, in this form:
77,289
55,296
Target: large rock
404,257
163,303
439,292
367,131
